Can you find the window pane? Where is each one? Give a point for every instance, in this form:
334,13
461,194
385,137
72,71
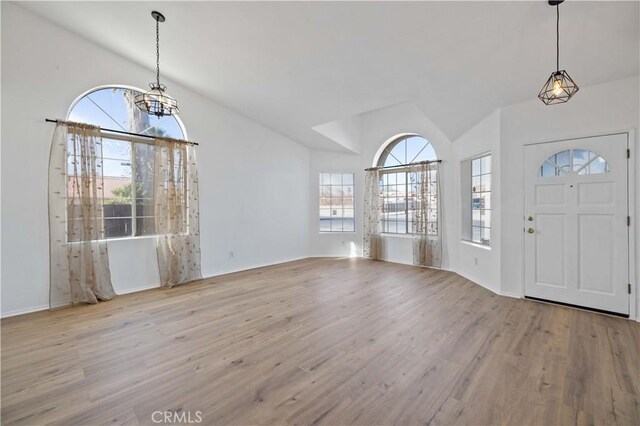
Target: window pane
325,224
144,207
120,227
580,158
476,234
481,218
481,200
398,153
336,179
348,225
325,178
116,168
598,166
427,154
347,179
336,194
117,207
476,169
116,149
485,182
486,164
562,161
486,236
476,185
548,169
145,226
347,196
144,159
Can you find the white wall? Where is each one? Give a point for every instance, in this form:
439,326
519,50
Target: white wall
606,108
253,182
376,128
478,263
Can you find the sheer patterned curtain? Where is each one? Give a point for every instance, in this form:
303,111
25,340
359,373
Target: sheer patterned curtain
427,242
79,260
371,239
176,212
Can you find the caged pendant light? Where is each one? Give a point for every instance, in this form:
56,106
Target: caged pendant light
559,88
156,101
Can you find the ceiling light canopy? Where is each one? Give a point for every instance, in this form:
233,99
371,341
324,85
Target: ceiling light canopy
559,87
156,101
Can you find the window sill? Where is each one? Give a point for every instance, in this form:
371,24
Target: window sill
110,240
405,236
477,245
336,232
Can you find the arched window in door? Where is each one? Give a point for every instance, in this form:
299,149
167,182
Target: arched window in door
573,161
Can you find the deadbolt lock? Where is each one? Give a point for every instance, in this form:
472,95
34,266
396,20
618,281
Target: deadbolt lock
531,230
530,218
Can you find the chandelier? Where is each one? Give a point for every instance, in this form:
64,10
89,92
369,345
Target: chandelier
559,88
156,101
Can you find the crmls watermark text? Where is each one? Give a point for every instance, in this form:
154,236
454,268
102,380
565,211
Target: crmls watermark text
179,416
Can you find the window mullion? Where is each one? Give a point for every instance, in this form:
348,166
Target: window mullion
406,202
134,190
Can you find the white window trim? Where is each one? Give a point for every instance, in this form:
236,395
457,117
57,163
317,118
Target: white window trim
353,208
469,160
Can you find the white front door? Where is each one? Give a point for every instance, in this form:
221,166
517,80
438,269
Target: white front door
575,224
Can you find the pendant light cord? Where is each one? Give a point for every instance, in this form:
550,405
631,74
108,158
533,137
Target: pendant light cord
558,38
158,51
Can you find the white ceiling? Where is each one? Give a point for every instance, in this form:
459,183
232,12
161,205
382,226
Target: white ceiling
293,66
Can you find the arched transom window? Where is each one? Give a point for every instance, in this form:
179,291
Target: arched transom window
399,184
573,161
127,163
406,149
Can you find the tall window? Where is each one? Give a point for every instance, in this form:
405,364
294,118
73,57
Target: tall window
481,200
336,202
399,186
127,160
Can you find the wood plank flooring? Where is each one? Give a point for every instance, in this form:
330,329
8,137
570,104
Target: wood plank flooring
322,341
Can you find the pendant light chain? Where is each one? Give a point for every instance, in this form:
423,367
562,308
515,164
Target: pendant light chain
558,37
158,51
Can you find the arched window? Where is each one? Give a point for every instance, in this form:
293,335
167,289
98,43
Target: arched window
573,161
113,108
127,163
399,184
406,149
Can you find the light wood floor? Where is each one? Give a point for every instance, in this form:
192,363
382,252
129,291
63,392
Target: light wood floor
322,341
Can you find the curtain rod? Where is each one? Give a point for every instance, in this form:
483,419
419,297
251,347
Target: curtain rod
403,165
122,132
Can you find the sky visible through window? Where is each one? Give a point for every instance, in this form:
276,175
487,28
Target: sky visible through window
412,149
113,108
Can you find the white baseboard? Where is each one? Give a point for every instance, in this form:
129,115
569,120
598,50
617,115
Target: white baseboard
137,289
143,288
509,294
32,309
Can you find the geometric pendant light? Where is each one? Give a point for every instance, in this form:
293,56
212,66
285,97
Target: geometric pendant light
156,101
559,88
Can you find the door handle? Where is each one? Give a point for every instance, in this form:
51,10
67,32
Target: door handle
531,230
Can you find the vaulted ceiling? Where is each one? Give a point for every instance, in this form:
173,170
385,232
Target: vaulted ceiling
293,66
